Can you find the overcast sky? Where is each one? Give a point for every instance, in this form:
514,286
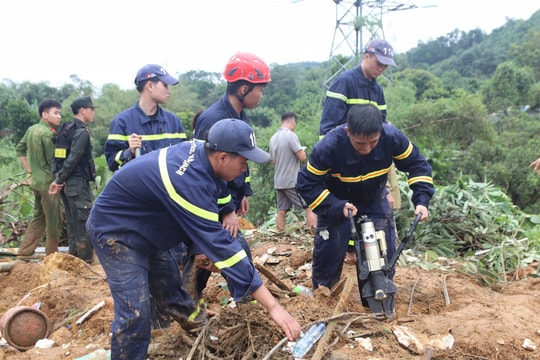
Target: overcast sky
107,41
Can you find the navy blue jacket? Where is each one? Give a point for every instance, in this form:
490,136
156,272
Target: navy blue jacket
222,109
350,88
165,130
335,173
167,197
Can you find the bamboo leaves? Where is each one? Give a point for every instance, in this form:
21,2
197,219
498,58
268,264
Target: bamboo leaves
478,222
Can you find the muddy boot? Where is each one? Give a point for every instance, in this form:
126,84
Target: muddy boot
186,323
160,318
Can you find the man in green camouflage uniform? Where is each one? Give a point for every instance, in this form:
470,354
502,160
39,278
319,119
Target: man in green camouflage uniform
35,151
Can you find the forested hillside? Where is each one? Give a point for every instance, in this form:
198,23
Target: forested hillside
470,100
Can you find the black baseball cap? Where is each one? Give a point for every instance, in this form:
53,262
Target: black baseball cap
81,103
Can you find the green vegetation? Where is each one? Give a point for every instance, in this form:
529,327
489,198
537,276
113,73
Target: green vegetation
478,222
471,102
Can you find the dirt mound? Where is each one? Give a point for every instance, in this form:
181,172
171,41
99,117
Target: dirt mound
60,265
245,224
485,323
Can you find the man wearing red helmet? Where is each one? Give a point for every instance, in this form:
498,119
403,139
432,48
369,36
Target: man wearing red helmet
246,75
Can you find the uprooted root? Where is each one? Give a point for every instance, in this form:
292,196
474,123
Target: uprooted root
243,333
240,333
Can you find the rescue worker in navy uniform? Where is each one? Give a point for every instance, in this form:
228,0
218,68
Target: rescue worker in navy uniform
145,126
73,178
175,190
246,75
359,86
348,169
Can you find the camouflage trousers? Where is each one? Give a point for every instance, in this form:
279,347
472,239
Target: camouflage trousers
46,220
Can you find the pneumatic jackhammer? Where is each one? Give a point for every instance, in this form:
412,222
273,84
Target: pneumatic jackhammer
373,266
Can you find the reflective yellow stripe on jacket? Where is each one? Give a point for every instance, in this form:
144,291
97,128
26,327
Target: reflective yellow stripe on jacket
348,101
325,192
354,179
195,210
404,154
151,137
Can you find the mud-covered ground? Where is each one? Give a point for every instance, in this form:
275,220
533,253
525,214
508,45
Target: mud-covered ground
446,313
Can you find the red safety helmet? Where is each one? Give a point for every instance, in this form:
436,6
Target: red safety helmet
246,66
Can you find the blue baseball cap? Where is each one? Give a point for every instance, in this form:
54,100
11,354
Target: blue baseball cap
382,50
155,71
235,136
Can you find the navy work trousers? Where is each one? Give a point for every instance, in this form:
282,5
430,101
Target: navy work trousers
134,276
332,239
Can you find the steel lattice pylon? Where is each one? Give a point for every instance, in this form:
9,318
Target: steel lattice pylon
357,22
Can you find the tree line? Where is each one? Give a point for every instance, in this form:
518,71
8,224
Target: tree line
470,100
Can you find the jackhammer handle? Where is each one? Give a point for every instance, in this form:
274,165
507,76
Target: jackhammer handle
403,242
353,226
137,152
357,251
413,226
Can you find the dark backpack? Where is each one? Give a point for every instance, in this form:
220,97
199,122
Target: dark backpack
63,145
62,150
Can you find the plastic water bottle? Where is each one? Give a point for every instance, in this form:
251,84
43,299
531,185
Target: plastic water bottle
301,289
305,343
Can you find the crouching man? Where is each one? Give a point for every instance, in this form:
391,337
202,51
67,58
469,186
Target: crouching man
153,204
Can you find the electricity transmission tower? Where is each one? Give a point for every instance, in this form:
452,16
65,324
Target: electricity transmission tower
357,22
